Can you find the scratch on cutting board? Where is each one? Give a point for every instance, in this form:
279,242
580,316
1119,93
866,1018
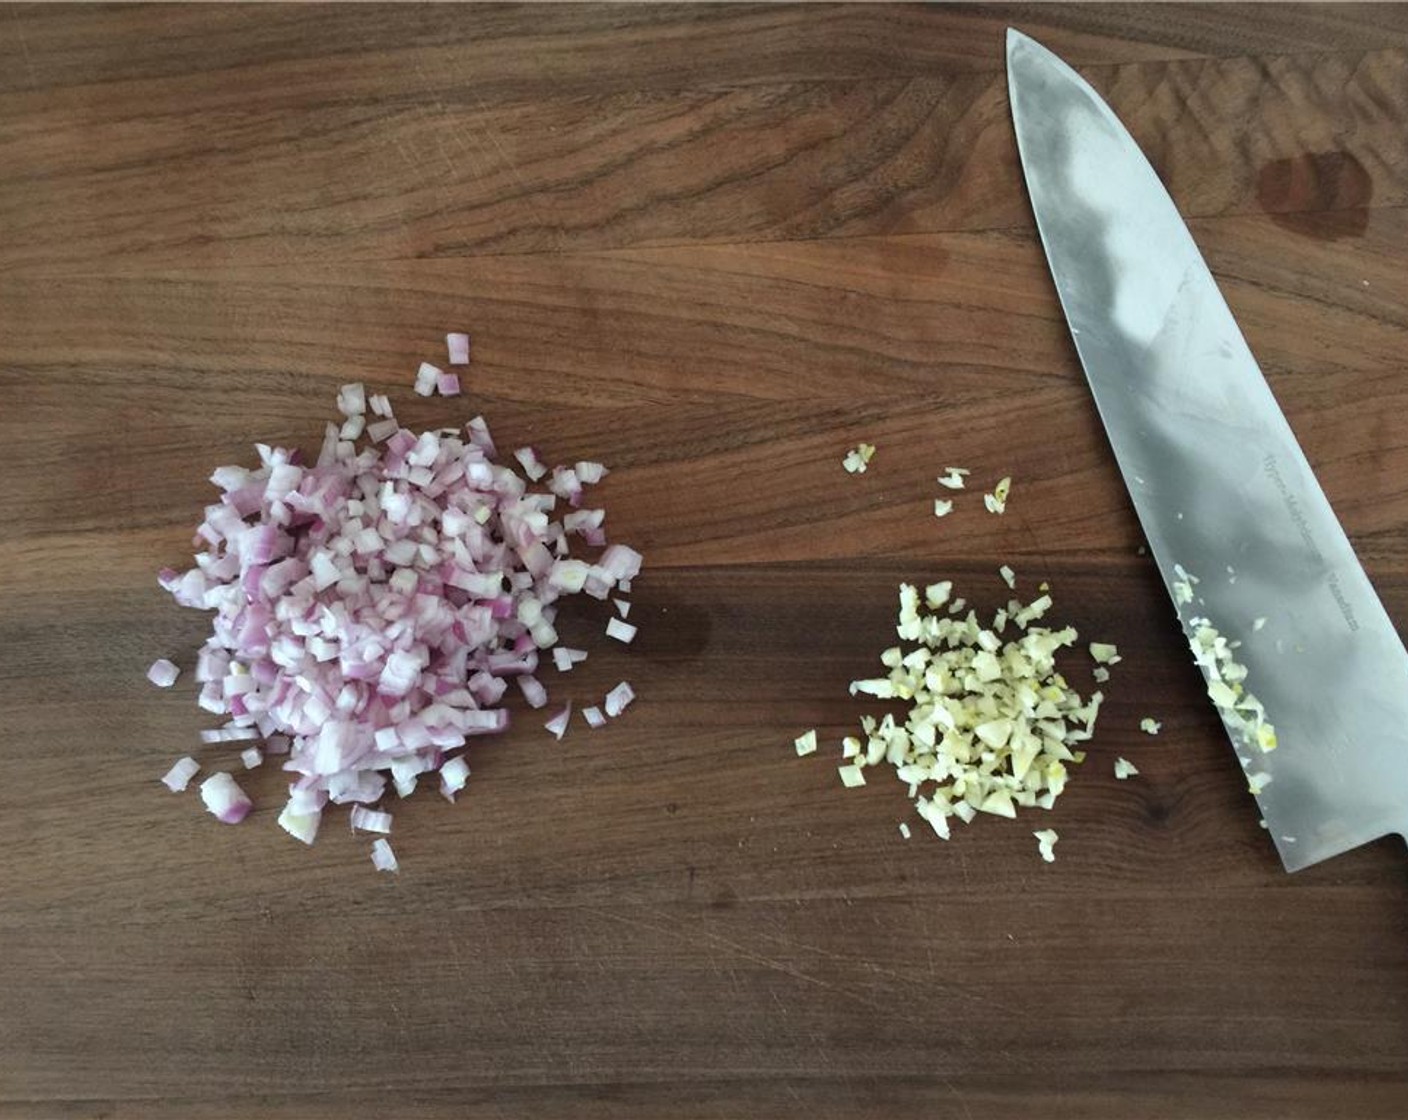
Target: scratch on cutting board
434,113
408,156
528,195
706,940
430,117
509,162
458,959
986,1000
23,38
963,1104
928,935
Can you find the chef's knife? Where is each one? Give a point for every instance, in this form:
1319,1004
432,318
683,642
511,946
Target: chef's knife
1223,491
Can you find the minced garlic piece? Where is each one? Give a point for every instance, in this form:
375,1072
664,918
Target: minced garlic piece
858,458
1150,726
996,502
1214,654
806,744
851,776
1125,769
942,508
936,594
1045,842
953,477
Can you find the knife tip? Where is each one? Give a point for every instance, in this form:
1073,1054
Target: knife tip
1017,41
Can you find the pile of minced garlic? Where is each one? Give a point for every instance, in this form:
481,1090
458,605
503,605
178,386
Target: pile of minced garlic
991,725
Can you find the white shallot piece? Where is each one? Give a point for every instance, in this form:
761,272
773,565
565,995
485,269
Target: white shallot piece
163,673
181,773
621,630
619,699
370,820
372,606
383,858
428,379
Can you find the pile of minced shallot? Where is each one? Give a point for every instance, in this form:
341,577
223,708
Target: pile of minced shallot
373,607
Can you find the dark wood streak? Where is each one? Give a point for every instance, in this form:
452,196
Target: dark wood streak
713,246
383,174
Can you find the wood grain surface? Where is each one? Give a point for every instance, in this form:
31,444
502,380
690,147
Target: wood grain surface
714,247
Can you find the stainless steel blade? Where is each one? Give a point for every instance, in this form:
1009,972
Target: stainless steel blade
1220,484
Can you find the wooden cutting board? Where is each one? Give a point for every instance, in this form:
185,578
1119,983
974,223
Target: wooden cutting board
713,247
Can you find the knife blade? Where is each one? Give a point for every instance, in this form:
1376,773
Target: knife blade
1243,535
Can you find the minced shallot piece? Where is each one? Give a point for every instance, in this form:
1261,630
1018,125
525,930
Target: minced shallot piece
181,773
453,775
532,466
533,691
619,699
427,379
370,820
163,673
383,858
558,724
224,798
621,630
457,345
229,734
